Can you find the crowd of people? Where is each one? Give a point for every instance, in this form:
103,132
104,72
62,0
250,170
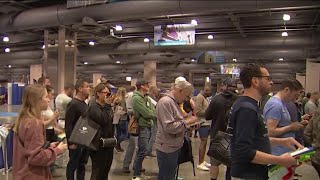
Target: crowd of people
265,127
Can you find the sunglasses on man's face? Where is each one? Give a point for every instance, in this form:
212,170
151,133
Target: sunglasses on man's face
107,93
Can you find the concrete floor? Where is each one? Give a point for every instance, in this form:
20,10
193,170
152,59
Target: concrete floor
151,166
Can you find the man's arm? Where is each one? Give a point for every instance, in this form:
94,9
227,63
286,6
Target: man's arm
275,131
200,111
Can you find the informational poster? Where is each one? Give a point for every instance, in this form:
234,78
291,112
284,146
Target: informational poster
173,35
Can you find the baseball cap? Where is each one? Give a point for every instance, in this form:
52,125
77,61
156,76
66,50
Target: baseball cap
141,82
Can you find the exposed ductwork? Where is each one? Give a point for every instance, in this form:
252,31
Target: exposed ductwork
60,15
256,43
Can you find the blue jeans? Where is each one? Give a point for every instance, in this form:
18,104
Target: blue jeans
121,130
167,163
144,135
129,152
152,139
77,162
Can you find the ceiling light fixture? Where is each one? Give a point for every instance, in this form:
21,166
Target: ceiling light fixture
286,17
280,59
43,46
128,78
146,40
9,66
193,60
7,50
118,28
210,37
5,39
284,34
91,43
234,60
207,79
194,22
85,63
118,62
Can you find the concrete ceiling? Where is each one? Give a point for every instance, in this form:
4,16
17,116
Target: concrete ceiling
249,31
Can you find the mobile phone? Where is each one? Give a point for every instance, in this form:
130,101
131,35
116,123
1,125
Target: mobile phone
61,139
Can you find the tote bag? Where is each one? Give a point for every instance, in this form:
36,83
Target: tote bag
85,132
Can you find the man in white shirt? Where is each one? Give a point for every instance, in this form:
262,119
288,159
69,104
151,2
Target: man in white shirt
311,106
62,101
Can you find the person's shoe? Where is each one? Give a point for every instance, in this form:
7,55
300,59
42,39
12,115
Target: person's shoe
202,167
126,170
208,165
179,178
136,178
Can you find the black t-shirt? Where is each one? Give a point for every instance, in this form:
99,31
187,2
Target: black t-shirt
75,109
249,135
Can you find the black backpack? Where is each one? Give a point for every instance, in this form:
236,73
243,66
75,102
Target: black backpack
186,154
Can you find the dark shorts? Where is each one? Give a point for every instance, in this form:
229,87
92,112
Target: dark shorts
214,162
204,131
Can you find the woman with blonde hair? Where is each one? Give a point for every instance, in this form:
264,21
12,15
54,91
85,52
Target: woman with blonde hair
30,158
120,118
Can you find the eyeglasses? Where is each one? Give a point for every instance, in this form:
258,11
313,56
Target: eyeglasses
107,93
269,78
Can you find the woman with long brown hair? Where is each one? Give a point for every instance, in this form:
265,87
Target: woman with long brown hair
30,158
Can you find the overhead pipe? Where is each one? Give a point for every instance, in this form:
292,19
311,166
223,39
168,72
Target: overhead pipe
59,14
240,44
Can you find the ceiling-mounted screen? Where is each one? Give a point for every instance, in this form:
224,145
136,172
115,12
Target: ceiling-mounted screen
232,69
174,35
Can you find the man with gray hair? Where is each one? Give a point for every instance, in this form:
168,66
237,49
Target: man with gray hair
172,127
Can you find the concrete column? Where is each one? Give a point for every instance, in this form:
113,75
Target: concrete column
45,54
95,77
35,72
61,58
190,79
312,76
133,81
150,72
301,79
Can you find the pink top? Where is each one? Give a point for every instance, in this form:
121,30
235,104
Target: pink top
30,160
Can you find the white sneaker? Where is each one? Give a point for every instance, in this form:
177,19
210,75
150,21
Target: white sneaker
142,177
202,167
136,178
207,164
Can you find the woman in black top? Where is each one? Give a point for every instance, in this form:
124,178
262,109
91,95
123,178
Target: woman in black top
100,112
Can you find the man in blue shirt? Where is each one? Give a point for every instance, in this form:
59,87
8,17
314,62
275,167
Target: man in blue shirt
277,116
250,144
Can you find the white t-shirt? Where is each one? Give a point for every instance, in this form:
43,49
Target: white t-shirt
47,114
62,100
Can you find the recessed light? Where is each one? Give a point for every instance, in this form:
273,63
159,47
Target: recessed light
210,37
7,50
118,28
234,60
146,40
194,22
193,60
5,39
9,66
118,62
280,59
284,34
43,46
91,43
85,63
286,17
